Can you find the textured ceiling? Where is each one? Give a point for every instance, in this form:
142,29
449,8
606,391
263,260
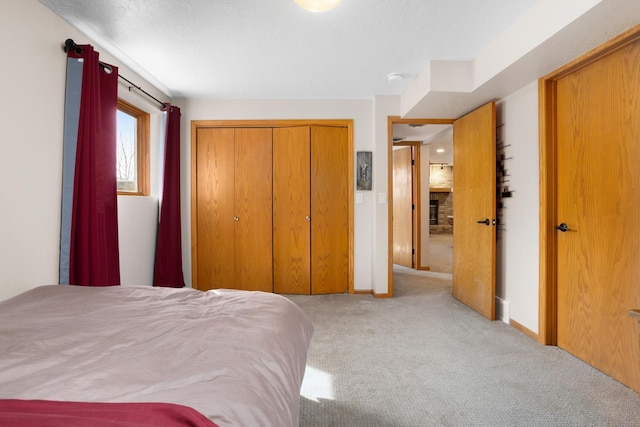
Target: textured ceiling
454,54
438,137
273,49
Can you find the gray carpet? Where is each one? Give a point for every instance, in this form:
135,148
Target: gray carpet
424,359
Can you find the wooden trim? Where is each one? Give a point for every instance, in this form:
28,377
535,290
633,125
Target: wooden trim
407,143
416,176
608,47
351,191
547,308
439,189
548,323
348,123
273,123
389,294
144,125
194,207
528,332
142,147
400,121
391,120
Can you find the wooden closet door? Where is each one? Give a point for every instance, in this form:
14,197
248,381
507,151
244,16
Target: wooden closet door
214,193
291,210
329,210
253,209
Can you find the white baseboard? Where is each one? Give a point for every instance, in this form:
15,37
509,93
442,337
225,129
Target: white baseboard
503,310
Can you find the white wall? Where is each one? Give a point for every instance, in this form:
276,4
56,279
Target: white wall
32,81
137,229
518,259
384,106
358,110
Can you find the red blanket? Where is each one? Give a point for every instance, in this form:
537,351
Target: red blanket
38,413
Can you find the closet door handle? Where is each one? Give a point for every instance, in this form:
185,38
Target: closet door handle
235,218
308,218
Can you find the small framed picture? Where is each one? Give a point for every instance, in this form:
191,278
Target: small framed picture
364,172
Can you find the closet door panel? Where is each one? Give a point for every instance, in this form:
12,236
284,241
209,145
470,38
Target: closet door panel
329,210
253,209
291,210
215,208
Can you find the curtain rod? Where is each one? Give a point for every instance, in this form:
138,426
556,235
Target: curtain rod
69,44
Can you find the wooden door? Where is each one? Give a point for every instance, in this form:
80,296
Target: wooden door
329,210
253,209
292,210
474,211
214,195
403,207
598,187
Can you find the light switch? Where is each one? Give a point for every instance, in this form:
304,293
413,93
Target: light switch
382,198
359,198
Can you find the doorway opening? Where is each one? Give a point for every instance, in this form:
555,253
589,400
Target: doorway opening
432,140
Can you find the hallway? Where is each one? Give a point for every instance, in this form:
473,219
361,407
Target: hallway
441,253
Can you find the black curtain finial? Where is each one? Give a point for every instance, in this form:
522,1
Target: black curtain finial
69,44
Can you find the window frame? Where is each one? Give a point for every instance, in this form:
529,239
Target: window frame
143,120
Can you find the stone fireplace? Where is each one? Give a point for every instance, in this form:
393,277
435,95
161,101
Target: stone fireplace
441,199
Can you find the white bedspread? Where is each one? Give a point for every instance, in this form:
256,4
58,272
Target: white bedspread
237,357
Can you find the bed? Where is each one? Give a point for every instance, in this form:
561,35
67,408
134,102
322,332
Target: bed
236,357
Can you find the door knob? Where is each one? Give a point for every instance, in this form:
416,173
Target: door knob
563,227
235,218
484,221
308,218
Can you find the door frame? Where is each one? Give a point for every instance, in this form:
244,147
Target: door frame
391,120
547,87
416,223
348,123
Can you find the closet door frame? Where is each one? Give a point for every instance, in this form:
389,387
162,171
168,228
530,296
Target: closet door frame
196,124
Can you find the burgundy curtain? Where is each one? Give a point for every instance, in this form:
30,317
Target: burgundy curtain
89,233
168,265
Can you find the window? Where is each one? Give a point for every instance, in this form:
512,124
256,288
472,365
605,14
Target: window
132,150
